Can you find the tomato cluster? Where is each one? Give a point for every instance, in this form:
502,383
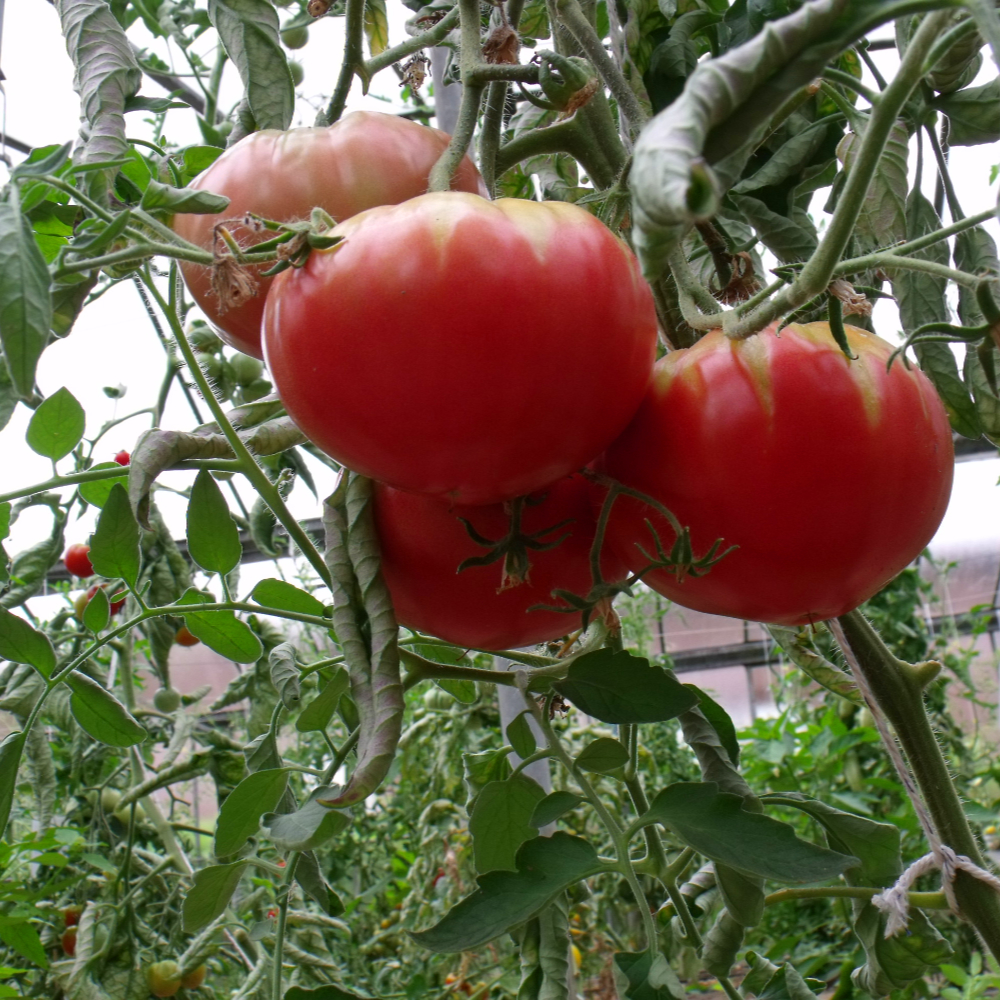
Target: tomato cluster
464,353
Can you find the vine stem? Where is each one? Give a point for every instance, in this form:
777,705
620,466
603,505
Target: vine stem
924,900
615,831
821,266
427,38
248,465
354,29
279,931
897,689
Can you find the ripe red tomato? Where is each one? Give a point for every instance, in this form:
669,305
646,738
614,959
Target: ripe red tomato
68,941
363,160
830,476
183,637
71,915
123,458
163,978
422,543
77,560
469,349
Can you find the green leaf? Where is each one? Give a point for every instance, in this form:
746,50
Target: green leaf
743,895
239,817
10,760
602,756
25,303
796,644
938,363
554,805
545,867
221,631
21,643
501,821
376,26
97,612
213,537
461,690
520,736
209,896
719,720
785,238
56,426
286,597
8,396
974,252
23,938
482,768
645,976
197,159
987,402
157,105
98,491
874,844
310,877
101,714
312,825
786,984
622,688
316,716
164,198
973,114
285,674
47,160
114,546
715,824
248,30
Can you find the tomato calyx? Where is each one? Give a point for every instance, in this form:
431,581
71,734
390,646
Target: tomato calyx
513,548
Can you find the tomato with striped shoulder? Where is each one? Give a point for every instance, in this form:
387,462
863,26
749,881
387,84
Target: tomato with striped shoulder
829,474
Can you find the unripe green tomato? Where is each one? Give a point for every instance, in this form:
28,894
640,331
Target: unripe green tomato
195,978
209,364
167,699
257,389
295,38
245,368
164,978
109,799
298,73
435,698
203,338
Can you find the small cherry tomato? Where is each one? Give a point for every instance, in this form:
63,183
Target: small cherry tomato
68,941
167,699
80,604
195,978
123,458
163,978
71,915
185,638
77,560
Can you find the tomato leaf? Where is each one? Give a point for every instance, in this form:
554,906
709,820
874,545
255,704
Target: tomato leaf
221,631
602,756
719,719
715,824
285,674
56,426
316,716
645,975
376,26
285,597
248,30
239,816
21,643
97,612
213,537
308,827
619,687
546,866
165,198
25,304
114,546
23,938
10,760
501,821
209,896
554,805
97,492
101,714
310,877
973,114
520,736
784,237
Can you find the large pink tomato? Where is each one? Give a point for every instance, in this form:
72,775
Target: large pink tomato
423,542
363,160
830,475
469,349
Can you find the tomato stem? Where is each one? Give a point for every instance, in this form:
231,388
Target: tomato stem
897,687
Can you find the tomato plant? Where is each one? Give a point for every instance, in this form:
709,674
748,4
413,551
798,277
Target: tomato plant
77,560
164,978
447,401
363,160
830,475
424,542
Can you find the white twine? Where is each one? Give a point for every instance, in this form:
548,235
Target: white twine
895,902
